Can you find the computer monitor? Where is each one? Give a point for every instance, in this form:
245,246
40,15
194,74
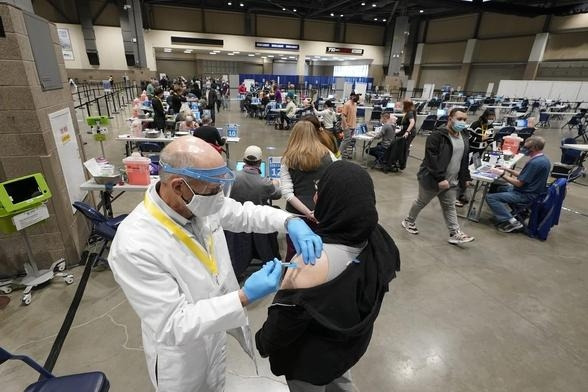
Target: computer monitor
23,192
241,164
390,105
522,123
255,101
441,112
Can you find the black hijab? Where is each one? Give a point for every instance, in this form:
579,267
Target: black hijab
346,204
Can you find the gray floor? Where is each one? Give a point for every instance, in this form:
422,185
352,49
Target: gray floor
505,313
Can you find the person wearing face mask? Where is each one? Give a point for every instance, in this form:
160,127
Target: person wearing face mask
211,98
480,135
170,257
348,122
522,187
444,167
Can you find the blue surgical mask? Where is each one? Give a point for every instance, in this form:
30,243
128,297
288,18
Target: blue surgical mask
459,126
525,151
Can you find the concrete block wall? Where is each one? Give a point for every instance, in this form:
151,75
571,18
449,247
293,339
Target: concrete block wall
28,146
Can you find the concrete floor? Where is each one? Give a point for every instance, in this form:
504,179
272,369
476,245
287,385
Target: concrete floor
505,313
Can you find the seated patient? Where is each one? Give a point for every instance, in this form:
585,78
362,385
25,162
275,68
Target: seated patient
321,320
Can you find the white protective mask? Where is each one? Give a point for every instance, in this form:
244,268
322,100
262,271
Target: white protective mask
202,206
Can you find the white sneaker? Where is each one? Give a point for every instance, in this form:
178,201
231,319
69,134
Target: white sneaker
410,226
459,237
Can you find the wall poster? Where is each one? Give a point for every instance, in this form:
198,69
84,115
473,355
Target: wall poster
65,42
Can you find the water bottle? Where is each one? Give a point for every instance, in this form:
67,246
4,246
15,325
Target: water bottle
472,213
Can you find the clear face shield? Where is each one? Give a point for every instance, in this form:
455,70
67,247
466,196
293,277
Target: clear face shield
215,180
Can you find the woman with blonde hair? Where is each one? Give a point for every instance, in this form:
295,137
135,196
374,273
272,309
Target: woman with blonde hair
303,163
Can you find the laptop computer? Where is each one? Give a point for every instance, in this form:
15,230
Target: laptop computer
240,164
482,167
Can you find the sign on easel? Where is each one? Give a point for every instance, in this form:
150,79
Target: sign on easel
233,130
274,164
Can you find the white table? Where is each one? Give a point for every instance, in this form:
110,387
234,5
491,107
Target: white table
367,142
129,139
483,182
147,119
499,108
577,147
106,192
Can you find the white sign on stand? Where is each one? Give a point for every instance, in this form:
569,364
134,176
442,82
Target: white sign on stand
69,153
428,89
274,164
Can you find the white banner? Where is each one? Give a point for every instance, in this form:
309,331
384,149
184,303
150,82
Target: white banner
65,42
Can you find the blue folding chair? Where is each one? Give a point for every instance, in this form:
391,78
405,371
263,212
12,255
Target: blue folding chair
103,229
83,382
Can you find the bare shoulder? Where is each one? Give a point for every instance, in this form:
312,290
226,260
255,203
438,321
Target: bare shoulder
306,275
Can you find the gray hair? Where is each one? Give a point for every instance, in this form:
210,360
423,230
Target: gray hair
535,142
175,159
206,120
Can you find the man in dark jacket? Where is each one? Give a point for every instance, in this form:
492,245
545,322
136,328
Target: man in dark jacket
444,167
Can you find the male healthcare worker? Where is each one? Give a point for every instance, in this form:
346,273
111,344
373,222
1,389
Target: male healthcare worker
171,259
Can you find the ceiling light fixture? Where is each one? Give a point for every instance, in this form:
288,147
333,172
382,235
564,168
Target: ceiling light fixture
375,18
341,15
362,3
230,54
294,10
188,51
283,9
211,52
167,50
270,55
421,11
373,4
241,5
332,14
229,3
251,55
235,52
383,20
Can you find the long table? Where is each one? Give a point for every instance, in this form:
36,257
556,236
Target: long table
129,139
106,192
483,182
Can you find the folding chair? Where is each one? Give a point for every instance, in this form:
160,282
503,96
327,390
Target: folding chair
83,382
103,228
428,124
575,122
544,120
505,131
571,165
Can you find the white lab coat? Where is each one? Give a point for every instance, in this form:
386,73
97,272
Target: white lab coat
185,311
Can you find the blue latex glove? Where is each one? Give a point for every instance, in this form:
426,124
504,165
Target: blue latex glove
263,282
307,244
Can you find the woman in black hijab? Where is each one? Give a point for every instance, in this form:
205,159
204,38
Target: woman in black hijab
321,321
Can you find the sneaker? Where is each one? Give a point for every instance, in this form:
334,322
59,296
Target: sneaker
459,203
459,237
507,227
410,226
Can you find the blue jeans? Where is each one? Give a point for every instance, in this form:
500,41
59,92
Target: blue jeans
504,196
378,152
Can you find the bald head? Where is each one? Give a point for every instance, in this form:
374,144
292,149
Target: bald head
189,151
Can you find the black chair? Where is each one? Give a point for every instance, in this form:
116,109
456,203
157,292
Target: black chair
441,121
543,119
83,382
103,228
428,124
525,133
505,131
574,122
571,165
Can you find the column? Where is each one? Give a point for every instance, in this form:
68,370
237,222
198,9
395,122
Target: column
536,56
301,68
467,63
28,146
416,70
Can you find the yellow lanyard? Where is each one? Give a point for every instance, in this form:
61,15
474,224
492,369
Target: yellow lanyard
201,254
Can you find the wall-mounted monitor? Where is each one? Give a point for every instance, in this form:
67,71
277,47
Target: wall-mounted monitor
24,192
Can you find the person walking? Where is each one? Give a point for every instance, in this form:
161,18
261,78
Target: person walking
445,166
348,122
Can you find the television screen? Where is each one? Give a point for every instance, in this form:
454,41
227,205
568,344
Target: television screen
522,123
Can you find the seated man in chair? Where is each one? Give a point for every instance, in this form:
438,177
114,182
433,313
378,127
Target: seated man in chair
522,187
249,186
